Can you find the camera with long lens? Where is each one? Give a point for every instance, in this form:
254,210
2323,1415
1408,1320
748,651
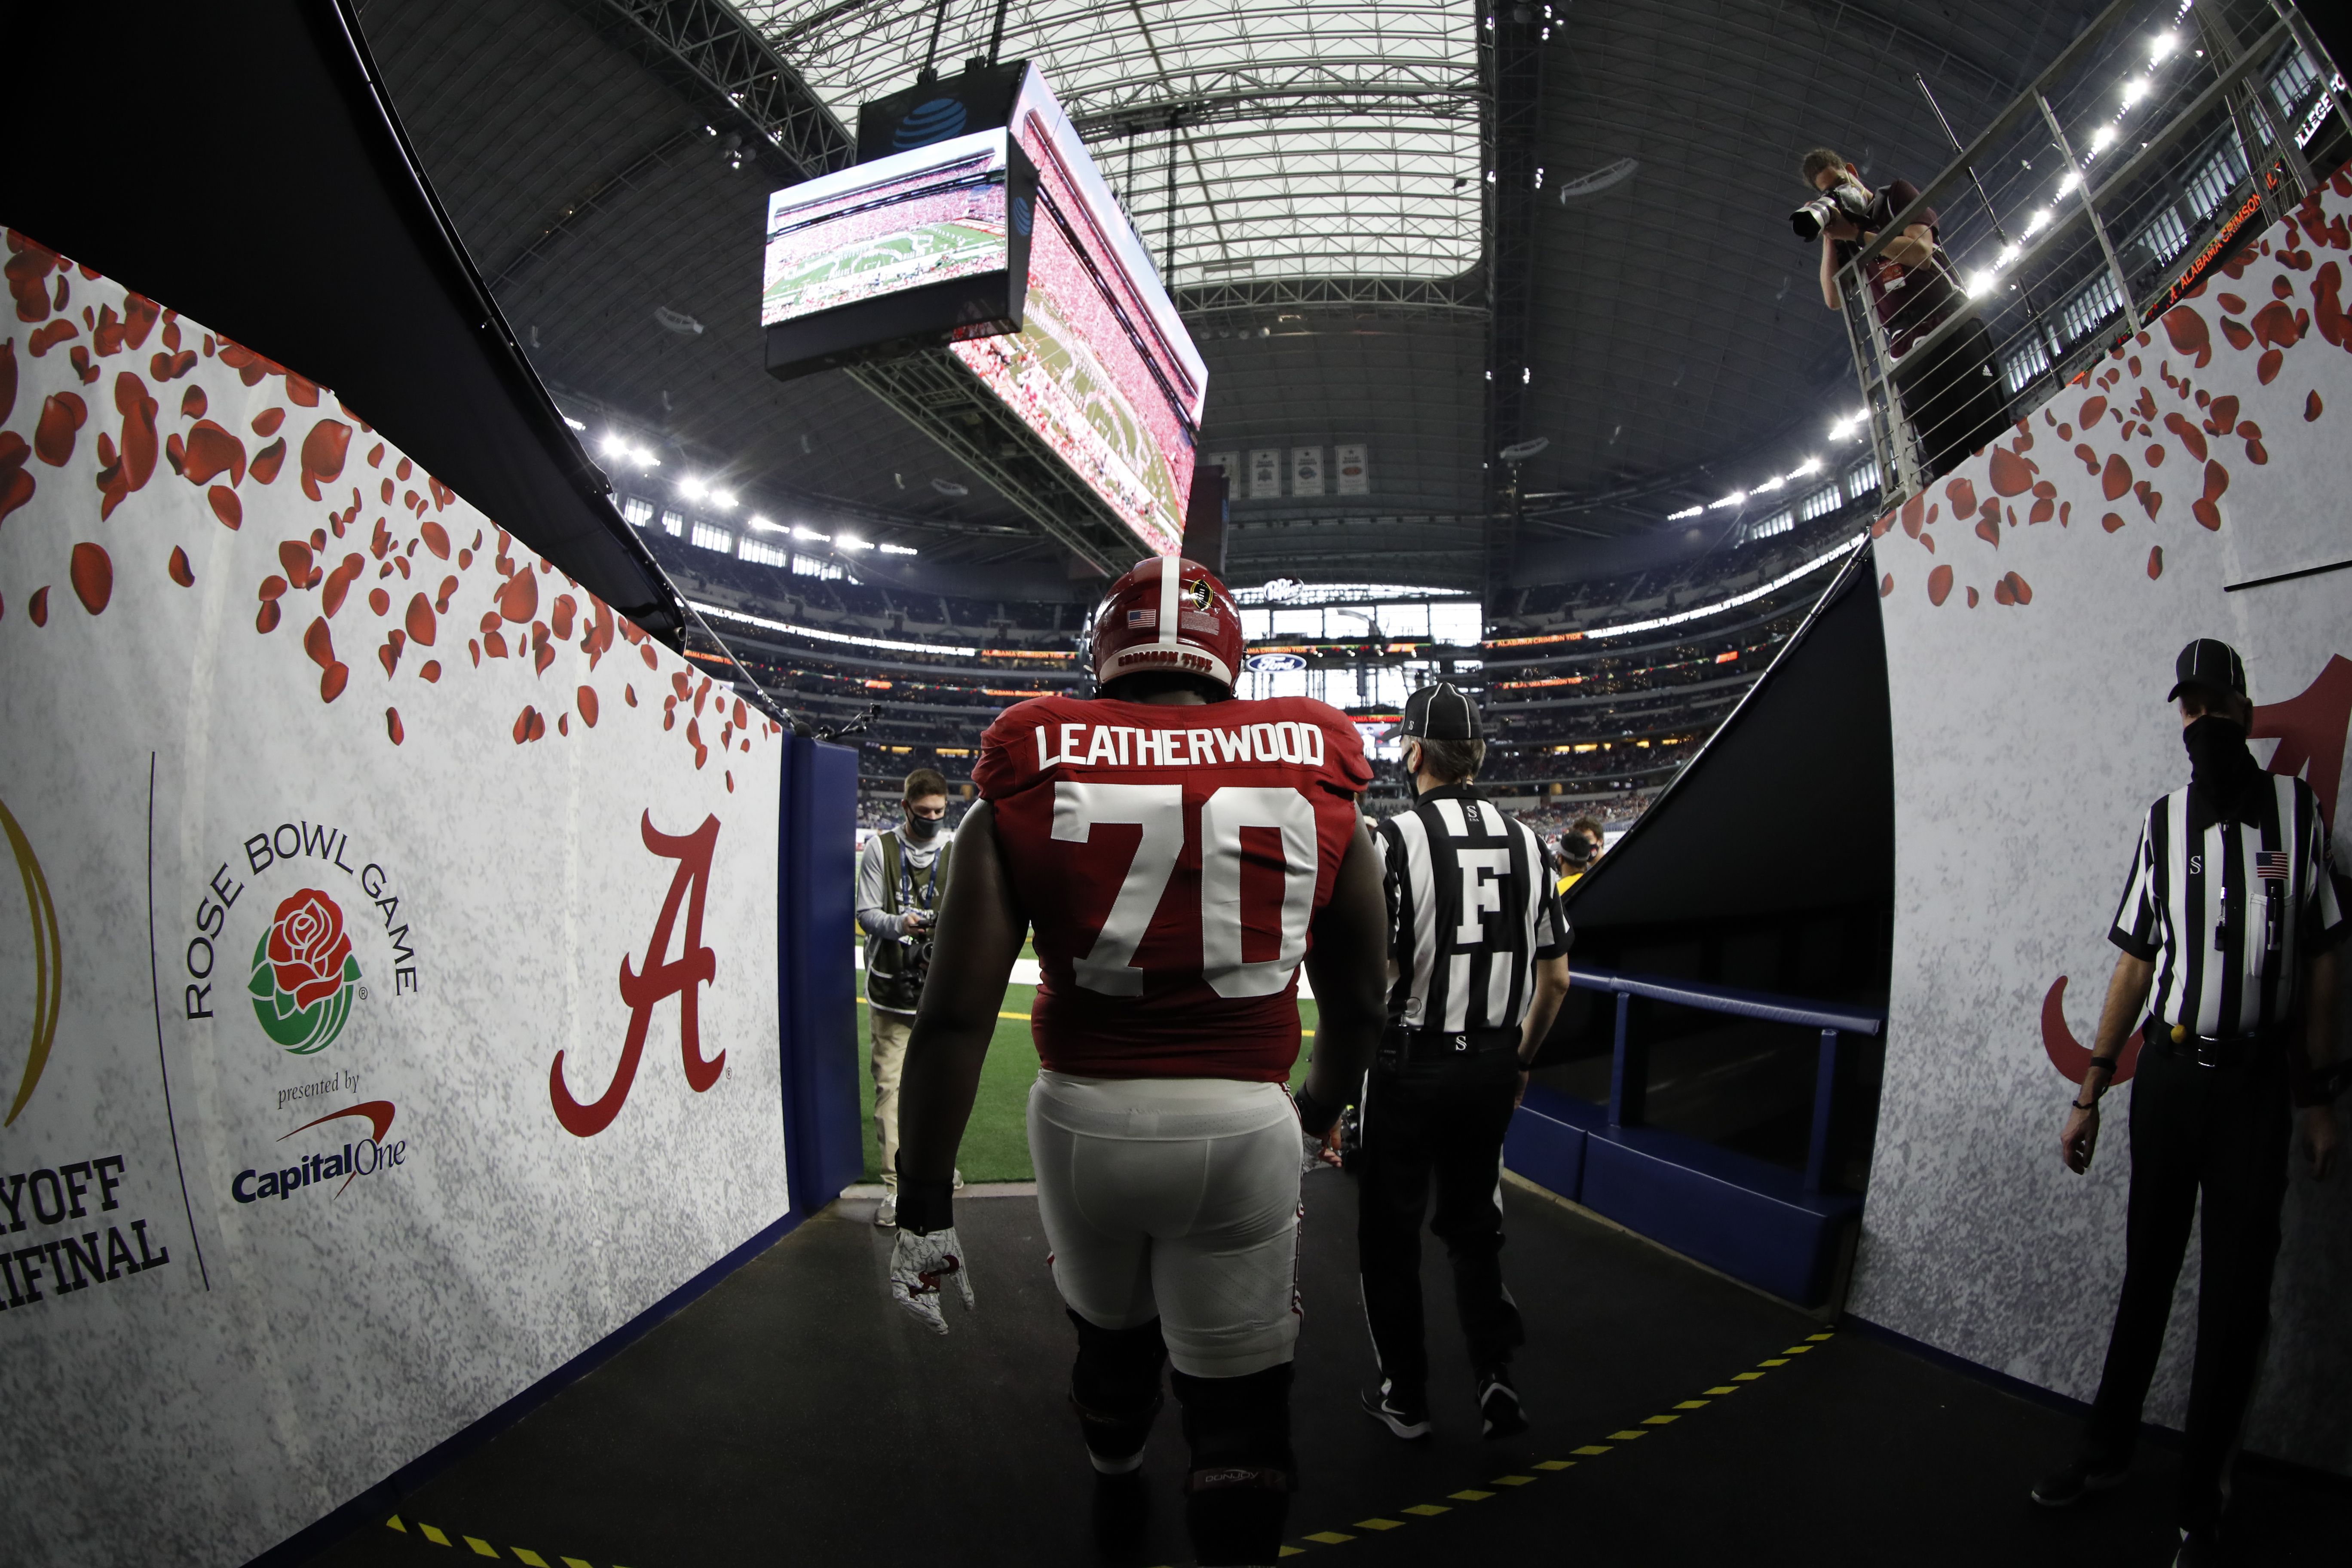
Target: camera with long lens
1840,200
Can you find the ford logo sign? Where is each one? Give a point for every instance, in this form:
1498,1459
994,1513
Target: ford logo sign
1268,663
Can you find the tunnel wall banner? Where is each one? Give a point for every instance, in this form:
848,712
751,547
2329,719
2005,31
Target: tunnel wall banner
2034,603
388,999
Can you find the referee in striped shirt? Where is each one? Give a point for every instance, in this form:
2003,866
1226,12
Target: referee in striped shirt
1480,955
2231,918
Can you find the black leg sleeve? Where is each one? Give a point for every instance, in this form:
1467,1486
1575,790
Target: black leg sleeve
1238,1495
1115,1386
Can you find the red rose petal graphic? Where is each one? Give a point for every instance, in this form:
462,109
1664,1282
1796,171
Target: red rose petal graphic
331,684
226,506
212,452
323,450
1962,495
2001,593
266,422
2093,410
17,486
91,573
2116,478
2012,475
1972,598
420,621
629,693
182,573
388,655
294,555
559,616
2312,407
2154,561
266,619
267,461
519,600
318,642
2019,588
39,606
429,671
585,699
392,725
1939,584
435,537
379,601
62,413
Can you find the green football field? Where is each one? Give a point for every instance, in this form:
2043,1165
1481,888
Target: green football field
996,1142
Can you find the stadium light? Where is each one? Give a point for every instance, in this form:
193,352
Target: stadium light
2102,137
1847,425
724,499
761,523
1688,511
1734,499
850,541
2162,44
692,489
800,532
899,550
576,424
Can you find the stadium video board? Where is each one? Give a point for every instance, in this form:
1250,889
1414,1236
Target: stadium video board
1101,370
902,253
1020,264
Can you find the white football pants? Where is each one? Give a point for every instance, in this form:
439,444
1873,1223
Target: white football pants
1176,1198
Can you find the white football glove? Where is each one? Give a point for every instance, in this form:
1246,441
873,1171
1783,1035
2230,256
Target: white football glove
919,1264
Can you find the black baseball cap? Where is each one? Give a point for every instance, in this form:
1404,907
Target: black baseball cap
2209,662
1440,713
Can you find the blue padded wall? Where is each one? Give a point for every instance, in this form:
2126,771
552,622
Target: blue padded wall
822,1144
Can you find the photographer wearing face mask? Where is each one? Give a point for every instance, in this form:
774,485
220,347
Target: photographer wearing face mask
902,875
1951,394
2232,916
1580,851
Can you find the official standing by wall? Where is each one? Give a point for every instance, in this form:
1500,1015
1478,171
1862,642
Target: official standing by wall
1480,953
2232,918
902,875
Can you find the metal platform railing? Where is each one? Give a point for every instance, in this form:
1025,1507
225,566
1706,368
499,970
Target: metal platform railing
2167,131
1629,1060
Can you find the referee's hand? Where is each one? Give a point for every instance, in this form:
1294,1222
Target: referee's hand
2319,1139
2079,1137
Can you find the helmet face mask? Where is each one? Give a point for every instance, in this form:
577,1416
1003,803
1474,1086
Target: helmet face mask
1167,615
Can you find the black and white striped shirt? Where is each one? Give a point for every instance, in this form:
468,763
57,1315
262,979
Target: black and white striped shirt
1471,908
2229,913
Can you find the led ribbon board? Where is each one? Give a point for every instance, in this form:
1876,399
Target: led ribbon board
902,253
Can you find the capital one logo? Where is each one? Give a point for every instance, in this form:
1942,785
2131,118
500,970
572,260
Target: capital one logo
661,978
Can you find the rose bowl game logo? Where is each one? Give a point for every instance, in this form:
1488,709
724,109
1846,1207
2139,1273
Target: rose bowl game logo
304,974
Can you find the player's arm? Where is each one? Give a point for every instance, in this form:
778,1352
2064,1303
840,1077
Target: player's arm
979,938
1346,963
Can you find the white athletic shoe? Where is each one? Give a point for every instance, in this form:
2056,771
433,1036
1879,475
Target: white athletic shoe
885,1213
958,1183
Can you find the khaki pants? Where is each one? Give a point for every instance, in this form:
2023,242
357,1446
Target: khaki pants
889,1031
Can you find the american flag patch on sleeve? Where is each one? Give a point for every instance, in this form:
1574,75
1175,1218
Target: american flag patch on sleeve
2270,865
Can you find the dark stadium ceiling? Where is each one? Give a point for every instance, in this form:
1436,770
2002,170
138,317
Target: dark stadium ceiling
1310,176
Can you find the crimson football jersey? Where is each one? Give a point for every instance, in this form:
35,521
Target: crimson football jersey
1170,859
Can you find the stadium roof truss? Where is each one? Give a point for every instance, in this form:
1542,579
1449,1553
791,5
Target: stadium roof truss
1249,140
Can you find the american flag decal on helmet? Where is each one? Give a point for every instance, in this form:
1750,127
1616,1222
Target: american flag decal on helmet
2270,865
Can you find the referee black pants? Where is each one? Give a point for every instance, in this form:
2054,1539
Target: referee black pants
1444,1127
2223,1132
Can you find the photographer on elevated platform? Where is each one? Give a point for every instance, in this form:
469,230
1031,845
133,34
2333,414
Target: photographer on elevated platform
1951,393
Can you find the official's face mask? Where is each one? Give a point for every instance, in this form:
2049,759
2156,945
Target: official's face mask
2219,763
923,829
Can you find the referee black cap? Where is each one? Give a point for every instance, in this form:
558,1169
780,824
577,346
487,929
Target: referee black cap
1440,713
2211,663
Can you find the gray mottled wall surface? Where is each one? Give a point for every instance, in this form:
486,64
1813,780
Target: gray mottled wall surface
2035,601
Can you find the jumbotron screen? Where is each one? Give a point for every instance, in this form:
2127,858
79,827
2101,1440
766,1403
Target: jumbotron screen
926,216
1101,369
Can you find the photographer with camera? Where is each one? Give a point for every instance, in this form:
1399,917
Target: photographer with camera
902,875
1951,394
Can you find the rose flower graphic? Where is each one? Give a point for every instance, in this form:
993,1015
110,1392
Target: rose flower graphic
304,974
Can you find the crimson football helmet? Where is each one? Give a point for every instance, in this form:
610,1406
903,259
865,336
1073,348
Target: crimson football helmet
1168,613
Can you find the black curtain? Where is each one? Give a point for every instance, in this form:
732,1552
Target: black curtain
241,163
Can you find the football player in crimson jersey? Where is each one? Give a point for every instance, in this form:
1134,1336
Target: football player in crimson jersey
1179,855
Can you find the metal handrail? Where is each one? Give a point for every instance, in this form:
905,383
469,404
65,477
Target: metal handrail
1629,1063
1741,1004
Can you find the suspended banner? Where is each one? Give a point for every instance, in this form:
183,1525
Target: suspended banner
2190,484
392,1011
1307,470
1352,469
1265,474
